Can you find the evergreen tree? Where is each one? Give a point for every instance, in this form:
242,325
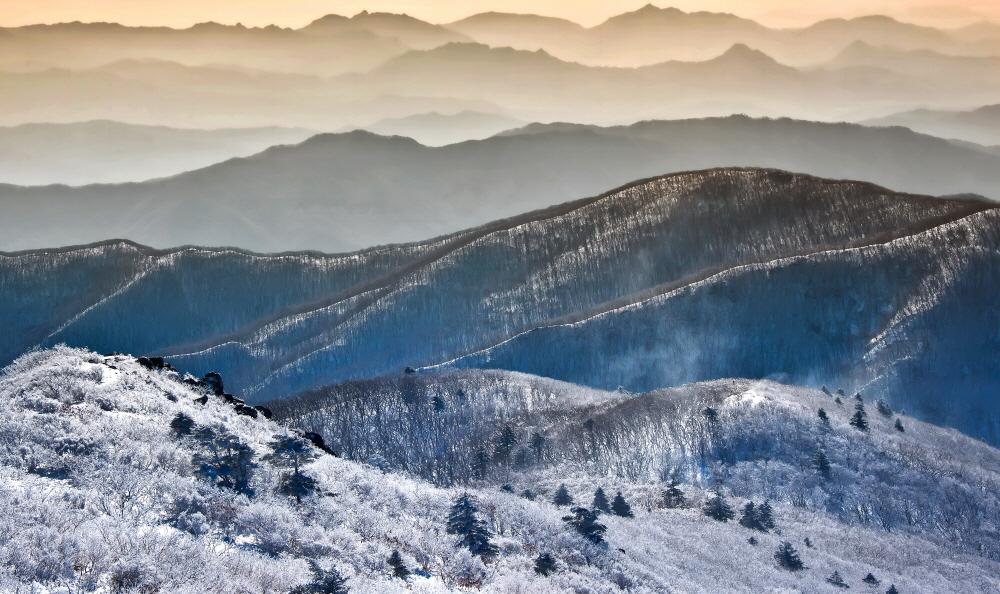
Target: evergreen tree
787,557
899,426
752,540
836,580
824,418
224,460
437,403
472,531
545,565
601,504
765,516
711,414
528,494
871,580
399,569
883,408
860,419
480,462
857,396
504,445
822,464
892,589
838,401
324,582
673,497
620,507
562,497
585,522
182,425
717,508
809,542
826,391
537,444
292,452
749,518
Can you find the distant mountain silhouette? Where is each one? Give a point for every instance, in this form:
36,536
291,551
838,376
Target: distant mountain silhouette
436,129
980,125
350,191
112,152
404,29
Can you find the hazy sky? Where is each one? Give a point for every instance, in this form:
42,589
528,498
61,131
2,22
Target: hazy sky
298,12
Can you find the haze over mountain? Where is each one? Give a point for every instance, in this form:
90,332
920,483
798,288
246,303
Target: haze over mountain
112,152
323,194
437,129
851,279
980,125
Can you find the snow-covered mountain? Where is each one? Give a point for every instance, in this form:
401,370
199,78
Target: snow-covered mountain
119,476
688,277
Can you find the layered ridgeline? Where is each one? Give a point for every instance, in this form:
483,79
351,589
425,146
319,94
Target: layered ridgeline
693,276
324,194
119,476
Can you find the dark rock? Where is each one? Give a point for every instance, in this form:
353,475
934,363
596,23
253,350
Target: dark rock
203,400
229,398
246,410
213,381
317,440
264,411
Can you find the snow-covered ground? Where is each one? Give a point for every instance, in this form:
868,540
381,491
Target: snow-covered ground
101,494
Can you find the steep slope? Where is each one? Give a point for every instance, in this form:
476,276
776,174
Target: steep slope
760,442
329,200
114,152
472,290
895,319
106,489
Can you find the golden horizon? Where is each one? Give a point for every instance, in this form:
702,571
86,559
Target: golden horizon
296,13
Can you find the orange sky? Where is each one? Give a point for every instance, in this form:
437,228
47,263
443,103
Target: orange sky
181,13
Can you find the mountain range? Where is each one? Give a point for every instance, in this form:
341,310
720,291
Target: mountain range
113,152
108,456
980,125
721,273
322,194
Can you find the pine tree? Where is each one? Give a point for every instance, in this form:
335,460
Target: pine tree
860,419
717,508
562,497
673,497
528,494
224,460
437,403
822,464
711,414
836,580
537,444
480,462
504,445
871,580
752,540
292,452
892,589
857,396
765,516
838,401
826,391
399,569
324,582
620,507
473,534
809,542
601,504
182,425
883,408
585,522
824,419
899,426
787,557
749,518
545,565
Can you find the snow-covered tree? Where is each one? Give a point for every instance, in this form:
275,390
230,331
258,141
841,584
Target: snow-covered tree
504,445
836,580
787,557
562,497
601,504
899,426
871,580
223,459
822,464
182,425
399,569
765,516
585,522
717,508
673,496
620,507
463,520
860,419
545,564
749,518
291,452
